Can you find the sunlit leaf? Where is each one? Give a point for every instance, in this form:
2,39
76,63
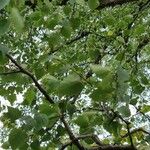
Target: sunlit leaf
17,19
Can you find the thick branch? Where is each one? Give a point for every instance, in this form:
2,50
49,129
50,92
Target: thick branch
42,90
71,135
92,136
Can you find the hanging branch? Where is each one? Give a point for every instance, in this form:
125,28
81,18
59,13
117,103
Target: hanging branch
41,89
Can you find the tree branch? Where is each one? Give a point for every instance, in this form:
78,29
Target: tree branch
71,135
108,3
41,89
92,136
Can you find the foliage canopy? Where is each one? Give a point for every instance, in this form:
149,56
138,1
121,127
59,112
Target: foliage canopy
74,74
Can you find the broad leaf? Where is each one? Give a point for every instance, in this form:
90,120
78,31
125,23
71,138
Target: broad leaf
17,19
71,85
125,111
93,4
17,138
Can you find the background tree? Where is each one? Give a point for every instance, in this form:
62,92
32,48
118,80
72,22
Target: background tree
74,74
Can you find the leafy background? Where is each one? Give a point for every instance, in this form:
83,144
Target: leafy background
74,74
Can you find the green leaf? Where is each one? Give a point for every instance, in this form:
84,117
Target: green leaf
67,10
144,80
6,145
17,19
51,82
113,127
93,4
122,74
71,108
145,108
3,49
13,114
125,111
66,31
29,96
17,138
52,22
35,145
4,26
54,39
71,85
29,123
41,121
100,71
50,111
3,3
75,23
134,101
82,121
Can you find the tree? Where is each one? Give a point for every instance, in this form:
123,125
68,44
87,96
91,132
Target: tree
74,74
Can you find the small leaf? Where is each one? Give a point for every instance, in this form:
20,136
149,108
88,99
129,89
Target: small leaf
82,121
13,114
110,33
6,145
54,39
67,10
120,39
35,145
41,121
145,108
66,31
134,101
17,138
50,111
29,96
125,111
17,19
3,3
75,23
93,4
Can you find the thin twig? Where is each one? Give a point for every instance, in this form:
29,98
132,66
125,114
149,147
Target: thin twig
135,131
